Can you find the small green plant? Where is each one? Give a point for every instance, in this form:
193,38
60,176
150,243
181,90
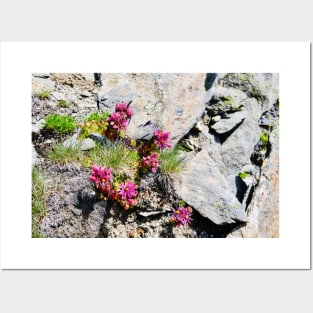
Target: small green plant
60,124
114,156
94,123
227,100
61,154
264,137
181,203
64,104
38,203
170,160
243,175
44,94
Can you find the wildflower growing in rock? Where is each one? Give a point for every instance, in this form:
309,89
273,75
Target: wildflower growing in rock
150,162
128,190
126,194
118,121
124,108
102,178
182,216
162,139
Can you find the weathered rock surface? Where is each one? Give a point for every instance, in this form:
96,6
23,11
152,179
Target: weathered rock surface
262,86
202,186
38,126
238,147
227,124
263,210
174,102
39,83
235,107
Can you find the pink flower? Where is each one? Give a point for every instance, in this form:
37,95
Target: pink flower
151,162
124,107
162,139
128,191
118,121
101,177
120,118
182,216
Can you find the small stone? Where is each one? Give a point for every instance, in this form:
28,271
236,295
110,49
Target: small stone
57,96
36,128
216,118
226,125
87,144
85,94
76,211
71,142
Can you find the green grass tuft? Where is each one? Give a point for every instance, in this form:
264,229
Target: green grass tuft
44,94
64,104
171,160
115,157
61,154
38,203
61,124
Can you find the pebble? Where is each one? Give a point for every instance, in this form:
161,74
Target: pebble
87,144
85,94
216,118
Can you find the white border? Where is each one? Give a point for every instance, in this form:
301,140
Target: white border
290,251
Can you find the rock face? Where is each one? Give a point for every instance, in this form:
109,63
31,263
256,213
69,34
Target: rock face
174,102
263,210
223,177
202,186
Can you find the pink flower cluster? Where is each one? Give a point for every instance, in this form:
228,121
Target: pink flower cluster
150,162
120,118
182,216
126,194
162,139
102,179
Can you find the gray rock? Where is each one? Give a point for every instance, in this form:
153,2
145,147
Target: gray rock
264,87
36,128
263,211
87,144
101,139
39,84
85,94
72,141
164,99
216,118
226,125
58,95
236,150
35,160
201,185
225,100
